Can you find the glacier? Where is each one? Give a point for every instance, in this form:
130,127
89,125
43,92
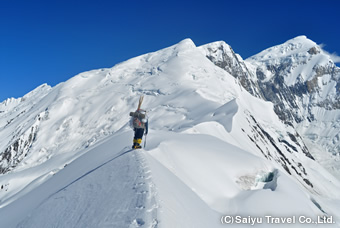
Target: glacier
216,144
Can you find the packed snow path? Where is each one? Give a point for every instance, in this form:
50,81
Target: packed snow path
121,198
105,187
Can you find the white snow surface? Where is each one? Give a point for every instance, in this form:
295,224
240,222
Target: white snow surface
198,165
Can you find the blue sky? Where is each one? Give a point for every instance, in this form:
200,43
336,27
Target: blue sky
51,41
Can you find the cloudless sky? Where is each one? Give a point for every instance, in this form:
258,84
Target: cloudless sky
50,41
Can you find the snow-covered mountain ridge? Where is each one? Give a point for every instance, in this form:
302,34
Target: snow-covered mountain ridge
299,78
220,149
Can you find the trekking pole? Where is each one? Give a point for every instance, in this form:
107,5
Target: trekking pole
146,134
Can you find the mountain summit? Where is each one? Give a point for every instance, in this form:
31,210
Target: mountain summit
299,78
297,46
227,137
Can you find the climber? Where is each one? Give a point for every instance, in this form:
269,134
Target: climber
139,122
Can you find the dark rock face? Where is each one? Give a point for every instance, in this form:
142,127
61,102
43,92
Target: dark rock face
224,57
314,51
287,98
21,144
19,149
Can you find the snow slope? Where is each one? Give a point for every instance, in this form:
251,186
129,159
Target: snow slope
213,150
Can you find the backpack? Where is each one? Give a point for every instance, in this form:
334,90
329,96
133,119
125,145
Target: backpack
136,120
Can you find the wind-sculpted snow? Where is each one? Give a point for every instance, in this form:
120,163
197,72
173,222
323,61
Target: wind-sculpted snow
213,149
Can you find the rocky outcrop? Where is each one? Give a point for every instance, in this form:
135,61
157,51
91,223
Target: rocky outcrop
222,55
20,145
19,149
